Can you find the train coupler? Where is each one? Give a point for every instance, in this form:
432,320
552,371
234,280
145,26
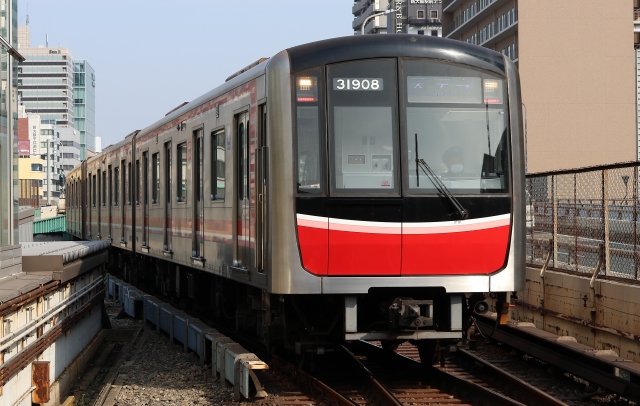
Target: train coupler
406,312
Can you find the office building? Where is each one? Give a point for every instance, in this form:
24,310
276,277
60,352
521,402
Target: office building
84,106
10,258
577,87
362,10
421,17
59,89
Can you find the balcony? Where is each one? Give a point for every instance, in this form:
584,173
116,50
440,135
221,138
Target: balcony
478,14
357,22
357,6
505,32
413,21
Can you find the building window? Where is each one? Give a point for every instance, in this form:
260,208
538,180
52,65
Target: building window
93,188
421,14
434,33
434,14
155,178
420,32
217,166
36,167
104,188
182,172
129,182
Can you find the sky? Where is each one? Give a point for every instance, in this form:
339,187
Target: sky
150,56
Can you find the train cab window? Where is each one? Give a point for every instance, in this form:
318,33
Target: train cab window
456,122
217,165
155,178
308,129
363,127
182,172
116,188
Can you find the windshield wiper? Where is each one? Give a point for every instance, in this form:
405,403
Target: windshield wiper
420,163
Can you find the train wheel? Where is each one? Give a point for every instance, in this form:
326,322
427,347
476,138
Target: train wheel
427,351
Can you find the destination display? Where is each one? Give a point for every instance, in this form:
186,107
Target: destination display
437,89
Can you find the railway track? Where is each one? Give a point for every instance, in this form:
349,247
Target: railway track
472,377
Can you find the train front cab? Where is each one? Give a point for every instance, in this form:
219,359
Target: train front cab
408,186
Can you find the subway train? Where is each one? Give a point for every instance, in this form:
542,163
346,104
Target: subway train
366,187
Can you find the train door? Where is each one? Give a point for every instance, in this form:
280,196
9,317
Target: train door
243,258
261,189
145,199
198,184
167,208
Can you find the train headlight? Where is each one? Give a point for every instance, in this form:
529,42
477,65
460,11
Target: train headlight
307,89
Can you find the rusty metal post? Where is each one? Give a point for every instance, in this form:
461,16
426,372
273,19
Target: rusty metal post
605,206
40,380
554,199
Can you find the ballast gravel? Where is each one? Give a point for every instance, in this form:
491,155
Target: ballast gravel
161,373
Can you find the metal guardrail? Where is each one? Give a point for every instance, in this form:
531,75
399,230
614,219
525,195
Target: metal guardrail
56,224
585,220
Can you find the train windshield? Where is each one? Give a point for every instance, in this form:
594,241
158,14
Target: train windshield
456,121
363,127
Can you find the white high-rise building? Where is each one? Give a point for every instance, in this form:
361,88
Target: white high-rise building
59,89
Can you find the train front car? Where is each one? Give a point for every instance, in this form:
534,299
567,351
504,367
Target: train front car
406,177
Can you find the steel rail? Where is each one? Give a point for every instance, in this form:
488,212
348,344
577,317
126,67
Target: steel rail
565,358
488,395
303,377
535,393
377,386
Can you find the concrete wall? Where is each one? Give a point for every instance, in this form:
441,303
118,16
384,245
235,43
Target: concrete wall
577,67
612,304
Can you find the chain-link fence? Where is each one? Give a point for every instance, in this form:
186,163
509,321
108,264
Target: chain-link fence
585,220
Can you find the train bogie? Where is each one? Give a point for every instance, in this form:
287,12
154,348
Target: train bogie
356,188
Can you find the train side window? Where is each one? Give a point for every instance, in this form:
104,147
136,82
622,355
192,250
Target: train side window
155,179
116,186
87,183
129,181
182,172
110,185
137,183
217,165
167,169
96,190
